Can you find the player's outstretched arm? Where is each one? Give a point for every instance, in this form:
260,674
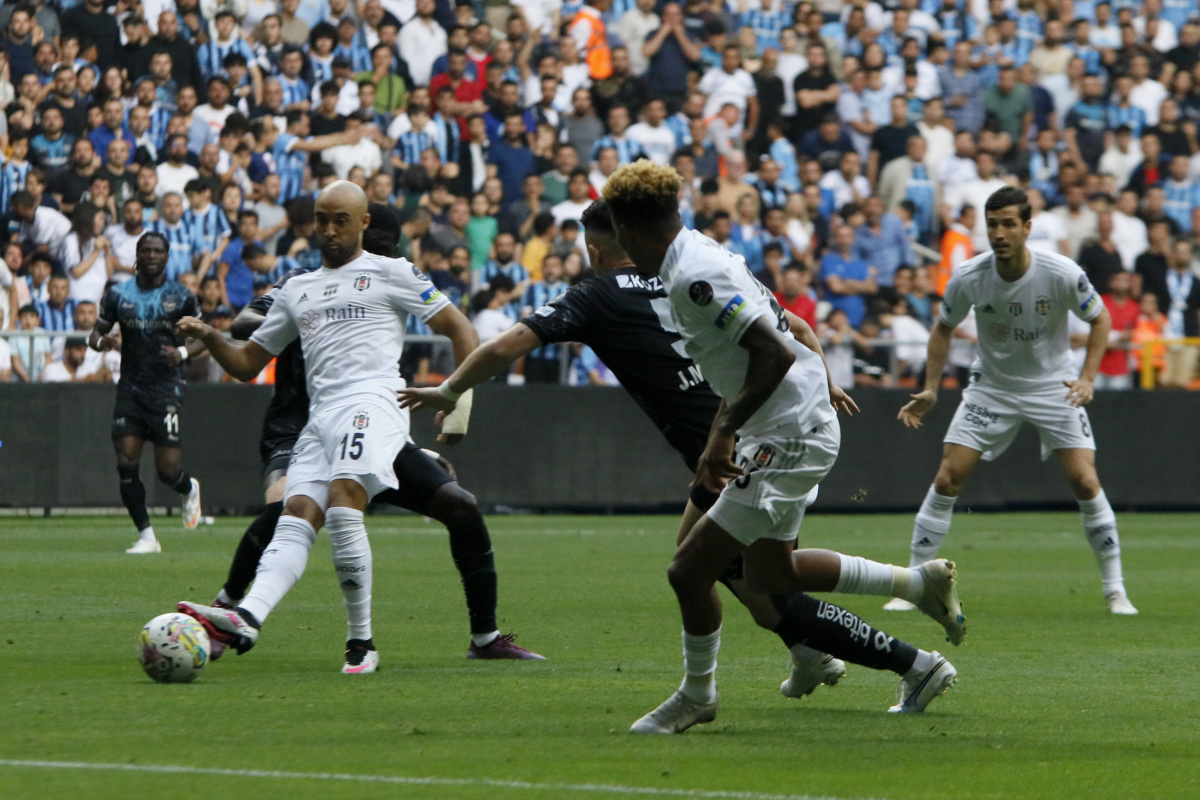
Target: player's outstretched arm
808,337
923,402
243,362
486,361
1080,390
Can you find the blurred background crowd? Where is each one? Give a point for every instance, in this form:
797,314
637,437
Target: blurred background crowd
845,150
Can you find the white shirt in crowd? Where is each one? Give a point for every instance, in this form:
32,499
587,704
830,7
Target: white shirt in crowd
173,179
490,323
421,44
722,87
1047,232
124,247
842,190
91,285
214,118
568,209
346,157
1131,238
49,227
540,14
634,26
659,143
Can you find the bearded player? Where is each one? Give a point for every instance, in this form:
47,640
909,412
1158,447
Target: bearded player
350,317
150,392
1023,374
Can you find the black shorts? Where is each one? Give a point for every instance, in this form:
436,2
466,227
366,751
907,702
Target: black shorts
419,477
156,422
276,453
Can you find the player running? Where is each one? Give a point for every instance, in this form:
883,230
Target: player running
427,485
350,317
625,317
1021,297
150,391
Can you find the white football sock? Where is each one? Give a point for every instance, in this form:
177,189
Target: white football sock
923,662
863,576
803,654
484,639
352,561
1100,525
147,535
280,567
700,666
931,526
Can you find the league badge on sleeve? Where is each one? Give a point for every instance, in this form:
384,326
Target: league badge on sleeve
1083,283
701,293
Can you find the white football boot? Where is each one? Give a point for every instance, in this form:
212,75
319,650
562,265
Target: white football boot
808,676
678,713
914,694
191,507
940,598
1118,603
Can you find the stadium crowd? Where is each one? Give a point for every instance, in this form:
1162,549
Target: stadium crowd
825,143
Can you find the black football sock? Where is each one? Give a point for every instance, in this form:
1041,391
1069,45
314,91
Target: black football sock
182,484
836,631
133,495
250,549
471,549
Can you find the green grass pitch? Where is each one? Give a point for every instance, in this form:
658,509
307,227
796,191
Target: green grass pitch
1056,698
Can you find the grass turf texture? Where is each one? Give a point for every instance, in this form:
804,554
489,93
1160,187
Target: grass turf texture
1056,698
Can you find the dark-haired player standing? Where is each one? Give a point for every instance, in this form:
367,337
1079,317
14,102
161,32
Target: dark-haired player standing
150,392
1022,297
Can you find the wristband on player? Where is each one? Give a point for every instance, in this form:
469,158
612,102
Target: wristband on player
445,391
183,354
455,422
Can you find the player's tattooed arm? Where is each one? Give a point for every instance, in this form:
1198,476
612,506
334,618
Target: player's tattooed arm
923,402
1080,390
243,362
808,337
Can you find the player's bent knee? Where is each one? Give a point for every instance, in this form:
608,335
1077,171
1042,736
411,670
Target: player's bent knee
454,506
306,509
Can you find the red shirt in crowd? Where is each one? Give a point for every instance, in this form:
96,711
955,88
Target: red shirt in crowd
1124,315
803,307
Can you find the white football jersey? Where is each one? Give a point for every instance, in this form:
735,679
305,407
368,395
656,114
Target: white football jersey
1023,337
351,324
714,300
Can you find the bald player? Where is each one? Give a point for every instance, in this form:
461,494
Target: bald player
350,317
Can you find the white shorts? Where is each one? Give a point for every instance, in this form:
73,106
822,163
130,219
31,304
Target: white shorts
357,441
988,420
781,477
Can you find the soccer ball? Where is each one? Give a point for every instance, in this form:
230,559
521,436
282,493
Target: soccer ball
173,648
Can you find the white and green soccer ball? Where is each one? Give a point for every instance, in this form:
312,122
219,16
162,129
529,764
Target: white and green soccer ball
173,648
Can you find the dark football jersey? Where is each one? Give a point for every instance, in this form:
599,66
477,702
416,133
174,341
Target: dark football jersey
625,318
288,411
147,318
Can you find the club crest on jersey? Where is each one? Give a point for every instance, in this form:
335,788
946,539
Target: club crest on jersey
331,290
1043,305
309,321
169,306
1015,309
701,293
764,456
361,420
362,282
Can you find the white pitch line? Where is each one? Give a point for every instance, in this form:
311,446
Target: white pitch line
600,788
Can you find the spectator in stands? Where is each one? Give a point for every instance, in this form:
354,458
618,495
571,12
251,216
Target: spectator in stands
847,280
881,242
57,313
30,355
1114,367
795,294
670,50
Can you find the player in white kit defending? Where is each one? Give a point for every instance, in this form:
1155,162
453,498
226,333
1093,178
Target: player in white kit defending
350,317
776,399
1021,297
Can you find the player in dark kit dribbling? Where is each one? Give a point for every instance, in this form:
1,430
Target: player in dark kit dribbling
427,485
150,391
